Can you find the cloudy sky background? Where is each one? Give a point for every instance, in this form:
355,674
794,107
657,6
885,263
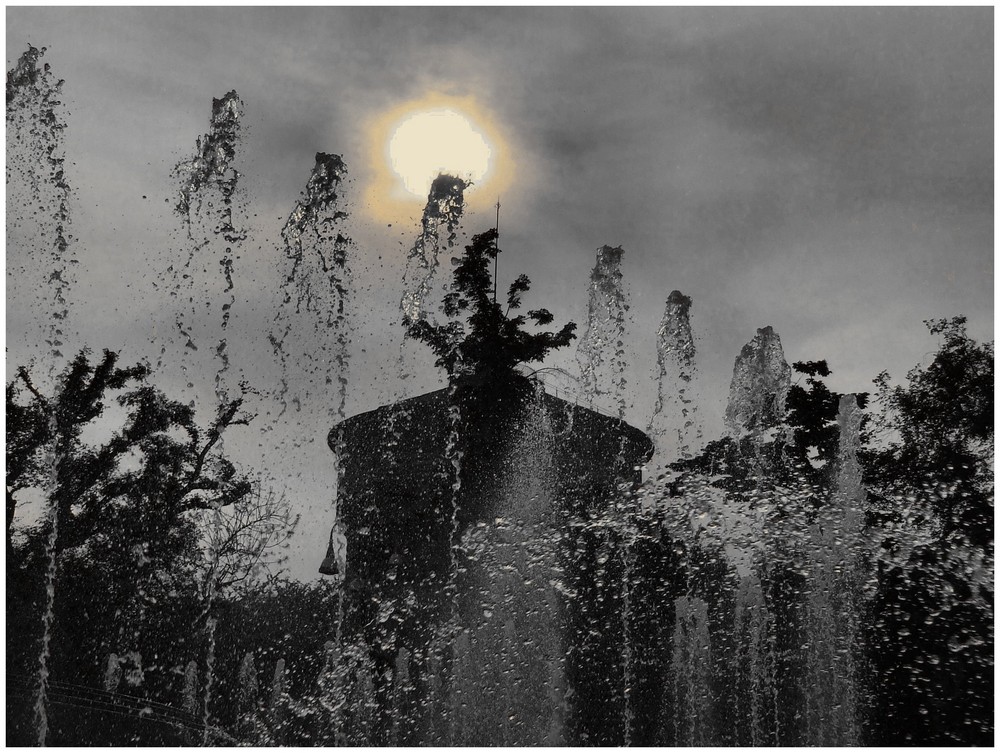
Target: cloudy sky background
828,172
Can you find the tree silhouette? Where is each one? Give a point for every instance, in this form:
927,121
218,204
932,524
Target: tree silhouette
145,517
940,430
97,491
930,633
490,343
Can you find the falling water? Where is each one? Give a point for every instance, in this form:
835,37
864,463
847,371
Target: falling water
753,629
206,716
52,461
512,661
674,425
311,333
39,259
40,243
629,535
692,661
205,203
766,583
438,231
401,694
759,386
601,352
834,596
456,637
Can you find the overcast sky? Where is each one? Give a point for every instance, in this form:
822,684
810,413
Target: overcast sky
828,172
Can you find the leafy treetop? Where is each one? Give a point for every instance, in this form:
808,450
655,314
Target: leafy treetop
937,433
812,416
495,342
98,491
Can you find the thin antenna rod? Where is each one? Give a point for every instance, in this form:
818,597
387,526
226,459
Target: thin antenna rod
497,255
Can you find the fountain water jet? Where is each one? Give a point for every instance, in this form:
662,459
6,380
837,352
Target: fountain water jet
439,224
601,353
674,424
36,182
209,182
311,326
40,264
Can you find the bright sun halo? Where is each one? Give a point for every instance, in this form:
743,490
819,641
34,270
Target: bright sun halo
428,143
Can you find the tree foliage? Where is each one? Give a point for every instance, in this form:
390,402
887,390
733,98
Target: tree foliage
804,450
136,485
937,431
149,512
930,478
489,343
812,417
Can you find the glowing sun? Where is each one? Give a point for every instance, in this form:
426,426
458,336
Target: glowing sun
415,141
427,144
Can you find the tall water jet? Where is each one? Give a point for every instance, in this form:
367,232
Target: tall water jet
603,367
438,231
438,225
277,703
202,293
759,387
755,671
247,698
39,258
834,597
692,667
38,219
674,425
210,626
333,688
203,284
189,697
311,332
850,495
601,352
512,611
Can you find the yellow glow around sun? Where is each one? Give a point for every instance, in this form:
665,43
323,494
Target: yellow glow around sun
430,143
416,141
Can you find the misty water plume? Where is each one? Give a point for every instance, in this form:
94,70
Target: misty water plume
39,276
601,351
674,425
759,386
40,258
311,332
202,286
438,231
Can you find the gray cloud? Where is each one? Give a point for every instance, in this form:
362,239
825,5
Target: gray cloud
827,171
